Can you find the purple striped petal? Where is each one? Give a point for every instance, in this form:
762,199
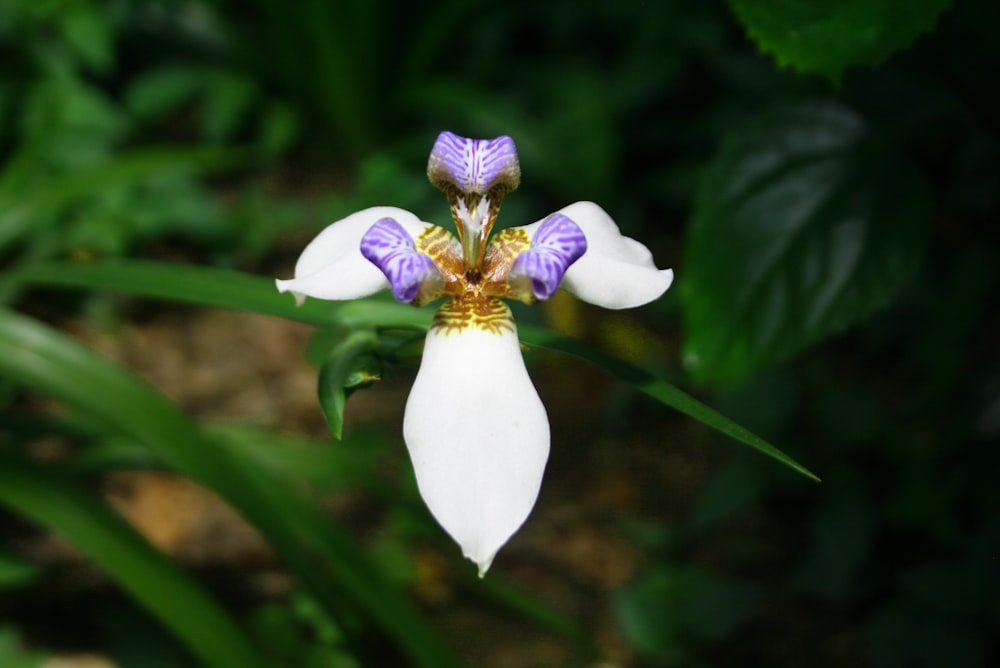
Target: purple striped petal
389,247
558,243
473,165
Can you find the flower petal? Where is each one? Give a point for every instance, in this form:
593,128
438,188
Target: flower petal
478,435
473,165
557,243
411,274
332,266
617,271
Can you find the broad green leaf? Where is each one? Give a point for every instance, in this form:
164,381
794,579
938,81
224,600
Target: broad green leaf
828,36
227,289
58,504
323,557
804,223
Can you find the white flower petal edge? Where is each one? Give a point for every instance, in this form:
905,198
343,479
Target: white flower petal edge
478,436
616,272
332,266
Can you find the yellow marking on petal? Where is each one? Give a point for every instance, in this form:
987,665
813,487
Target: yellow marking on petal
473,311
443,248
500,255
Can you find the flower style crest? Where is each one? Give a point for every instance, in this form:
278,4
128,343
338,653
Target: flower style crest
476,431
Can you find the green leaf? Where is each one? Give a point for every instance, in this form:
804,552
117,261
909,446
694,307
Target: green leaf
732,488
58,504
227,289
804,224
659,389
323,557
159,91
16,571
346,369
89,31
828,36
664,611
13,654
183,283
31,213
227,102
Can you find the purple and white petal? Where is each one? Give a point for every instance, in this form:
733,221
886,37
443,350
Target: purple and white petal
478,437
617,271
332,266
473,165
555,246
389,247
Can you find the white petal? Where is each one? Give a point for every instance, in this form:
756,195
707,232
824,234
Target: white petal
332,266
478,436
616,271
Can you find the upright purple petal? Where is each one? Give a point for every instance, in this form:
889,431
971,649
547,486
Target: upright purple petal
389,247
473,165
558,243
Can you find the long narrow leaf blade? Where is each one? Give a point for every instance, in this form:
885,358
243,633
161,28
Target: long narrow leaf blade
659,389
213,287
153,580
40,357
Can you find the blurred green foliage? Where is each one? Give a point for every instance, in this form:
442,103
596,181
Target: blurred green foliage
829,205
828,36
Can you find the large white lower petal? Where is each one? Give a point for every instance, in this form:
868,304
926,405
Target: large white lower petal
617,271
478,436
332,266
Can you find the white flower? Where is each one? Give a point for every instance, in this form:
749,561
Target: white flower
475,428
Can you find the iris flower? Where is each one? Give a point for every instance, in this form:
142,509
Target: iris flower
476,431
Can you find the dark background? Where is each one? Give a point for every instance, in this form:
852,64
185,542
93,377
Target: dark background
831,220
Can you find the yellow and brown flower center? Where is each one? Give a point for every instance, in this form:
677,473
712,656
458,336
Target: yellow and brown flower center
473,311
475,295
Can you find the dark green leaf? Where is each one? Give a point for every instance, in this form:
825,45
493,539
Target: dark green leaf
16,571
731,489
804,224
229,289
162,90
324,558
58,504
346,369
671,607
30,214
13,653
828,36
226,103
183,283
90,33
659,389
